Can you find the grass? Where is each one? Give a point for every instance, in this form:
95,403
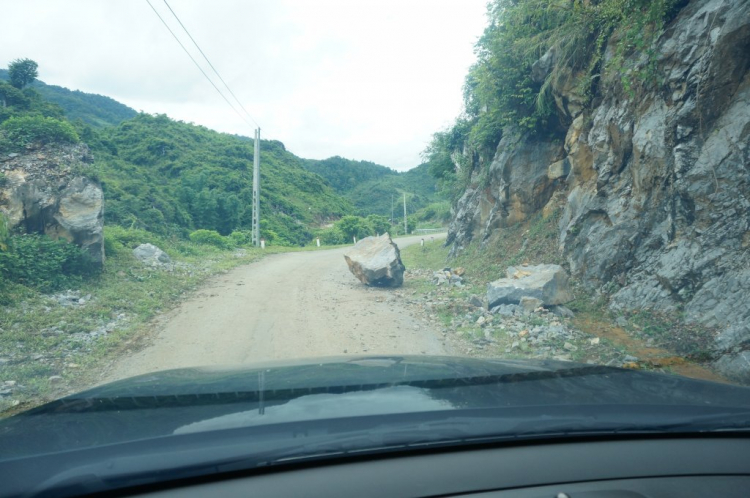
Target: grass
40,338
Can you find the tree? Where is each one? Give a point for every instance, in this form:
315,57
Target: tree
22,72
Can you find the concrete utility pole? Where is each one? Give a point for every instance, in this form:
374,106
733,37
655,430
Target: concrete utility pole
256,191
406,228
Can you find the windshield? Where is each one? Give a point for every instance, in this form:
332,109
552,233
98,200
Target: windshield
227,216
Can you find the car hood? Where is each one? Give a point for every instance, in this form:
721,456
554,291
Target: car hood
193,400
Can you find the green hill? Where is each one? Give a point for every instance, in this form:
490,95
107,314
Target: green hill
92,109
372,188
172,177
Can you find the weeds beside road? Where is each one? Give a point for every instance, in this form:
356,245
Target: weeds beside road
53,343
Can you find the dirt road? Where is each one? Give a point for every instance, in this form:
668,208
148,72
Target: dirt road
284,306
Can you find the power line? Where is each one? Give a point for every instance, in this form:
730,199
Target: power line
198,66
209,63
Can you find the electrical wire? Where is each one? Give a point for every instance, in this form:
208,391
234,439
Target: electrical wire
209,62
198,65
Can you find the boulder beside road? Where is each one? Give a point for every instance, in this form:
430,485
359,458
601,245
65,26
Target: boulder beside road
149,254
376,261
547,283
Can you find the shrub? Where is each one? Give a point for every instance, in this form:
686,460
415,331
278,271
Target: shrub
210,237
241,237
43,263
332,237
24,130
117,237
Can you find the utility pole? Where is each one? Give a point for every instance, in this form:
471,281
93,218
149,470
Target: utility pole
256,191
406,228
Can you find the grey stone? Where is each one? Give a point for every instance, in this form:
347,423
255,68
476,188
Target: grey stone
151,255
506,310
735,366
530,303
562,311
55,379
376,261
548,283
476,301
621,321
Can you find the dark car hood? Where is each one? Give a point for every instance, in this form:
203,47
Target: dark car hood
193,422
207,399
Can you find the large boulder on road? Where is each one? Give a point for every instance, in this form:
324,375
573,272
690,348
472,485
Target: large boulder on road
376,261
547,283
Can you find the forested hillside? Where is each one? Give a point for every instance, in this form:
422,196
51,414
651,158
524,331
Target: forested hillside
171,177
372,187
92,109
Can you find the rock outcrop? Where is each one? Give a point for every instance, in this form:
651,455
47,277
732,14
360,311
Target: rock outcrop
42,193
656,181
376,261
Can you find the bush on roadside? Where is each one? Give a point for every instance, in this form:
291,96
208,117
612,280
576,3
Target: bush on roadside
210,237
241,237
116,238
43,263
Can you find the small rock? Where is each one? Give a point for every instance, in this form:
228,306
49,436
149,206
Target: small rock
594,341
570,347
481,320
476,301
621,321
55,379
530,303
151,255
10,383
562,311
629,359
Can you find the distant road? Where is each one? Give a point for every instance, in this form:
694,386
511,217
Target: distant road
285,306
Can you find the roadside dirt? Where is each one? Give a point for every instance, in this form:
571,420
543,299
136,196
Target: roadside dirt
286,306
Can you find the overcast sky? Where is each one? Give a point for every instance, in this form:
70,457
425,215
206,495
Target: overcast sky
368,80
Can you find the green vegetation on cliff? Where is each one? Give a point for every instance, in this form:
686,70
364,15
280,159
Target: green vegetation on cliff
531,47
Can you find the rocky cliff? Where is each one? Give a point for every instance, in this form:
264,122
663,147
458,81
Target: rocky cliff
42,192
654,182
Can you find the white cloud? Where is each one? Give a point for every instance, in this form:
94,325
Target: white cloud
362,79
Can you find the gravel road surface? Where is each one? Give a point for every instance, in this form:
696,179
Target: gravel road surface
285,306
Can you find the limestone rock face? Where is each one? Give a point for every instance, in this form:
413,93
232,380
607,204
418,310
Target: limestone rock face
43,194
376,261
657,210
